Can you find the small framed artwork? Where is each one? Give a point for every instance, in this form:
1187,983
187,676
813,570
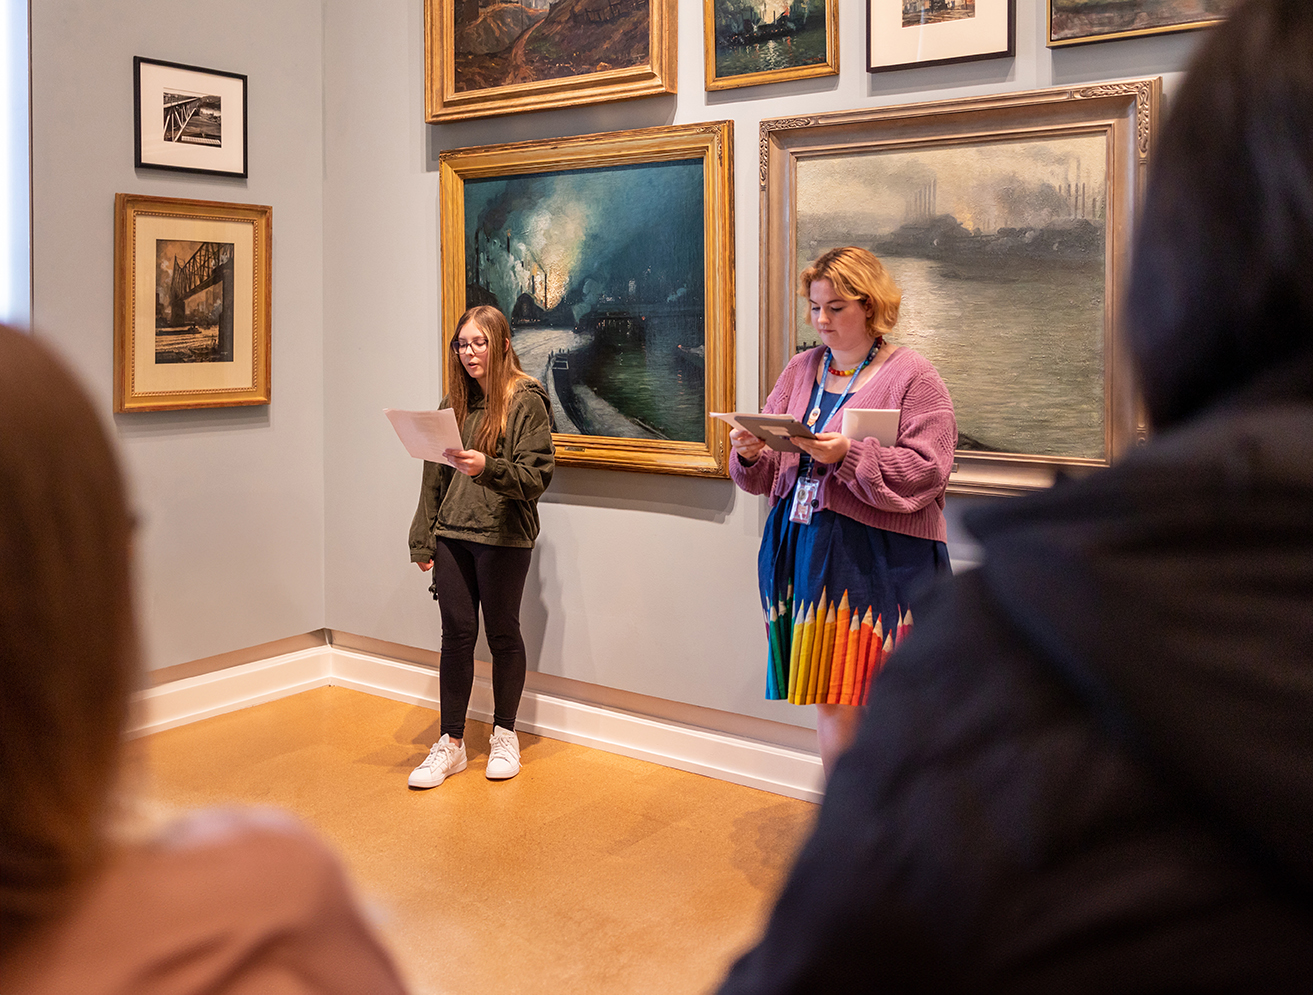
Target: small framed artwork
191,303
189,119
1006,222
483,59
748,42
613,257
1075,22
903,34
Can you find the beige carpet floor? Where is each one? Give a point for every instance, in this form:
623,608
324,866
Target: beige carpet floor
587,873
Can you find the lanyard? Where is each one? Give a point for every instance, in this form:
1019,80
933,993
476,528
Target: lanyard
814,416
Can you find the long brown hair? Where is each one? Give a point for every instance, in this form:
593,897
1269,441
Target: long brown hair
67,639
503,376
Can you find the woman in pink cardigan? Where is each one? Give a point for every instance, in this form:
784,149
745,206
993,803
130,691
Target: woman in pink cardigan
856,530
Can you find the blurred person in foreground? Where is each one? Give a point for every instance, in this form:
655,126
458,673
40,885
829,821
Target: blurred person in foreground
219,902
1091,767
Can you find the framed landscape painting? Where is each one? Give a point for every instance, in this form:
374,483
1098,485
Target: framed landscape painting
613,257
189,119
747,42
1006,221
191,303
1075,22
483,58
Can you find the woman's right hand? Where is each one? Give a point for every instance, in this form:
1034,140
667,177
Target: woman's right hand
747,445
426,566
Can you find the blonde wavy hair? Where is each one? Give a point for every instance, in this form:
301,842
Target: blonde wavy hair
857,275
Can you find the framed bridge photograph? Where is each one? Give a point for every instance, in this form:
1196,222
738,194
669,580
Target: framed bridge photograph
189,119
613,257
191,303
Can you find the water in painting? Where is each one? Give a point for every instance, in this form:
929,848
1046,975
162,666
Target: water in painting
999,251
602,274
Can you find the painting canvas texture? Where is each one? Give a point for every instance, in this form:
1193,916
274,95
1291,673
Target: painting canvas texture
1072,20
602,274
754,36
499,44
999,250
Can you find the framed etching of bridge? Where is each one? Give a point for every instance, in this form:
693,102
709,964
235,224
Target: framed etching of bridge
191,303
613,257
189,119
1006,221
483,58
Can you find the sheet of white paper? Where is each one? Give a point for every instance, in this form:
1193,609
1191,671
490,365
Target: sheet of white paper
728,416
425,434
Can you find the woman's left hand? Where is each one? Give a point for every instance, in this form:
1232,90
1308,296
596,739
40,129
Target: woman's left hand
468,461
827,447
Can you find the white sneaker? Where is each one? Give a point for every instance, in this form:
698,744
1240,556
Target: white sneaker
445,758
503,755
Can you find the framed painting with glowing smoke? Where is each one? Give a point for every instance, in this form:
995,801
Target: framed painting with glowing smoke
1006,222
613,257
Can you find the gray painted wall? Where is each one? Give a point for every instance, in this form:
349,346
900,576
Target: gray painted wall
231,545
264,523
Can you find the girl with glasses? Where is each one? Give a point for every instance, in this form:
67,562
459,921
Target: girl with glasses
475,528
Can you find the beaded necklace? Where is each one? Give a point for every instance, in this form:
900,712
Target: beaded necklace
814,415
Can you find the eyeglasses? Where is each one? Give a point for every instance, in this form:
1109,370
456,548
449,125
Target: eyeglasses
473,345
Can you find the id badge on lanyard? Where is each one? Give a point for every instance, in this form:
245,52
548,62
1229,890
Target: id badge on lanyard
804,498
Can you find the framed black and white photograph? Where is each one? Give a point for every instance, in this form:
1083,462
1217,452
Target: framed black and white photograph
188,118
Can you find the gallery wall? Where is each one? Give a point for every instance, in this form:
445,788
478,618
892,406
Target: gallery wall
231,537
640,582
264,523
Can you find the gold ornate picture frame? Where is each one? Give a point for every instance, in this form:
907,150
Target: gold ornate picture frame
1078,22
508,58
1007,222
747,42
191,303
613,257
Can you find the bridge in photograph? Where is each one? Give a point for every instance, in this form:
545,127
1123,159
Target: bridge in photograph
178,110
206,268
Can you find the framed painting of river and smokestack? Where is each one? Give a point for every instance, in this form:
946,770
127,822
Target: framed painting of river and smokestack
1006,221
191,303
613,257
486,57
1075,22
747,42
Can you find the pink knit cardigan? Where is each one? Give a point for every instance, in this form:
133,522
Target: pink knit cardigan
897,487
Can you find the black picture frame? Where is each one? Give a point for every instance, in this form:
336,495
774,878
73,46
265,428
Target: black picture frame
189,119
943,34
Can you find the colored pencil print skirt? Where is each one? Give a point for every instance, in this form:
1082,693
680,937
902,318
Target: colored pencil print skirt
838,598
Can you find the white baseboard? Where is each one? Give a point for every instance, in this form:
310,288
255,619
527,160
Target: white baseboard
778,769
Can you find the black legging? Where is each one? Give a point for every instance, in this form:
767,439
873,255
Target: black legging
465,575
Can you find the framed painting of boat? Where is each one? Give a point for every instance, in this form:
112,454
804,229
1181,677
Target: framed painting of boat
191,303
903,34
1006,221
747,42
483,58
1075,22
613,257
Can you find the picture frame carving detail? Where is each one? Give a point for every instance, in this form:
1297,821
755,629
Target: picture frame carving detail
748,42
613,257
188,119
482,58
1007,222
191,303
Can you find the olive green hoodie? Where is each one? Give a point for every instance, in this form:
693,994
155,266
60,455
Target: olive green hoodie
498,507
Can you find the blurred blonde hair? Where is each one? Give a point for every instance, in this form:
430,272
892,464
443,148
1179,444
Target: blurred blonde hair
857,275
